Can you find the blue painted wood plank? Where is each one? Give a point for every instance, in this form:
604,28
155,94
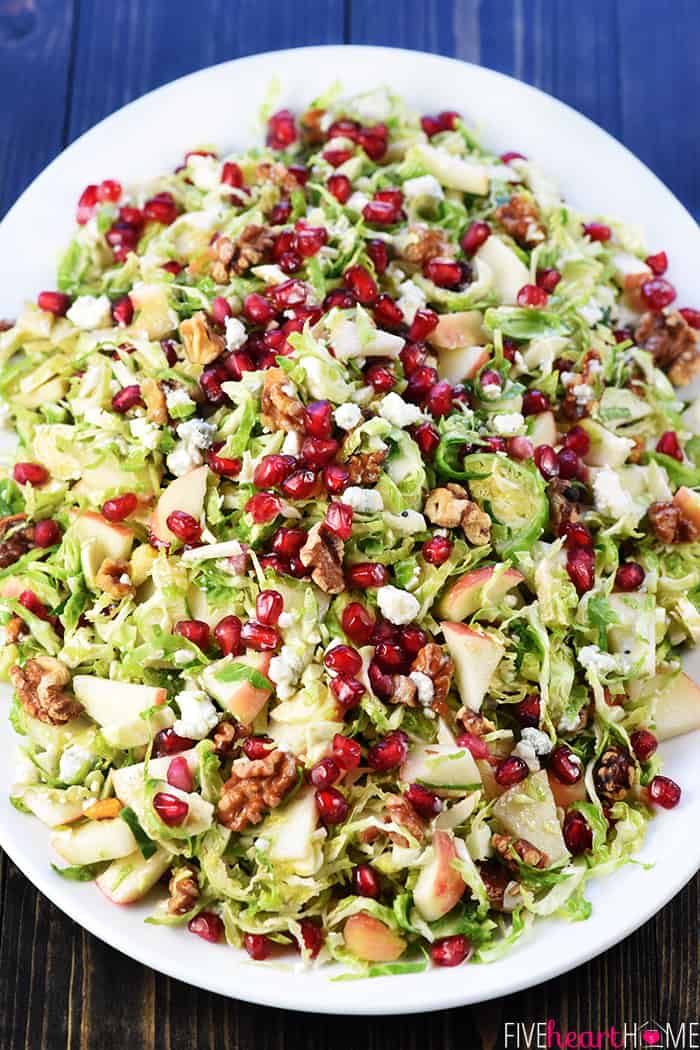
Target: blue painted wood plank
35,49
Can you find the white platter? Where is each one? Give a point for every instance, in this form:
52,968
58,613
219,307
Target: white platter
219,106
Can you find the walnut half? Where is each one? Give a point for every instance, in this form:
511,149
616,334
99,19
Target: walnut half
450,506
202,344
254,787
183,889
113,578
323,554
280,409
39,686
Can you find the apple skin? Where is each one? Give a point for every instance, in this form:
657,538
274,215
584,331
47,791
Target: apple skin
677,709
111,702
130,878
566,794
12,587
465,595
372,940
95,841
458,330
462,363
439,886
543,429
688,503
184,493
116,539
476,656
242,699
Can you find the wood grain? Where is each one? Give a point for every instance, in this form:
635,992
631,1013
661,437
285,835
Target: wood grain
65,64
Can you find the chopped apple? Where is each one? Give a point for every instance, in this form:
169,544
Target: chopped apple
677,709
154,315
606,449
110,702
542,429
142,563
454,172
528,811
128,879
459,813
109,476
477,588
185,493
100,539
447,767
688,503
55,806
199,607
461,364
476,656
460,330
138,731
371,939
240,697
95,841
509,273
439,886
290,831
566,794
46,394
128,780
492,789
12,587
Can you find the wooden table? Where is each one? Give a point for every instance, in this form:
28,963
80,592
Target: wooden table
632,66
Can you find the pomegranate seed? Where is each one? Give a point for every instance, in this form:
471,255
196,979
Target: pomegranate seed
55,303
340,299
532,295
548,280
179,774
691,317
300,485
496,444
171,809
387,313
578,440
668,445
208,926
220,310
222,465
658,293
534,402
450,951
439,400
389,655
343,659
528,711
184,526
343,128
490,377
288,542
474,744
565,765
332,806
412,357
385,632
30,474
644,744
258,945
271,471
268,607
445,273
228,635
511,771
373,141
367,574
658,264
519,448
338,520
357,623
47,533
346,752
379,254
324,773
336,157
30,601
506,158
336,478
317,452
340,187
380,378
580,565
195,631
382,683
318,419
109,190
426,803
547,461
577,833
281,213
389,752
381,213
347,691
437,550
231,175
261,638
424,322
664,792
427,438
365,881
131,217
413,639
420,383
167,742
569,464
126,398
629,577
361,284
597,231
257,309
310,240
161,208
123,311
257,747
281,130
210,381
120,507
477,234
577,535
86,205
169,349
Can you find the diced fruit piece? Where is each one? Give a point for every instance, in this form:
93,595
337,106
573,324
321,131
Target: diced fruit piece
54,806
241,697
476,588
138,731
186,811
96,841
128,780
677,708
290,830
508,272
476,656
109,701
542,429
458,330
453,171
129,878
566,794
606,449
186,493
444,766
372,940
100,539
439,886
141,564
688,502
528,811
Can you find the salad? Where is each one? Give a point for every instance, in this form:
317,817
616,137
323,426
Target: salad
351,543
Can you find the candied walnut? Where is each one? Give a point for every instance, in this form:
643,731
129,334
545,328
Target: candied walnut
113,578
672,343
226,736
632,290
474,723
405,691
311,126
154,399
520,218
638,450
222,252
503,893
564,508
579,400
40,688
253,244
279,408
254,787
669,525
476,525
449,506
614,775
183,889
202,344
400,811
13,629
434,662
425,243
17,543
323,553
277,174
511,850
365,467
